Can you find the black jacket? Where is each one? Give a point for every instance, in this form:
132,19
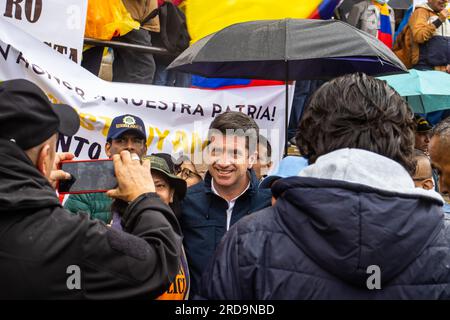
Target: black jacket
321,236
40,241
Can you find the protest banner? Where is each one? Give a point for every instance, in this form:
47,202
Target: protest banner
59,24
176,119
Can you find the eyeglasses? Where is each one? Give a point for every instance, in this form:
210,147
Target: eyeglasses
186,173
421,179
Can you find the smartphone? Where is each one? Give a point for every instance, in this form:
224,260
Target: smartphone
87,176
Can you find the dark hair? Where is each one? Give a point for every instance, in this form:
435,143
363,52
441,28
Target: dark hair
236,121
358,111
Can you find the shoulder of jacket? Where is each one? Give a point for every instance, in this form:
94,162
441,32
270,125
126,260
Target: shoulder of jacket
64,218
260,221
442,239
363,5
264,195
423,11
196,189
265,191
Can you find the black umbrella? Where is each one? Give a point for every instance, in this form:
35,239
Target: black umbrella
288,49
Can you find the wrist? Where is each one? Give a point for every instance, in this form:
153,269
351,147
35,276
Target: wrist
130,212
438,22
140,192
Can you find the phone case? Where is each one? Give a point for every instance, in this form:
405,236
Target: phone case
84,191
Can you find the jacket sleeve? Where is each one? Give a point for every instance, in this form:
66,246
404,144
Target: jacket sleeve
355,16
138,263
220,280
422,30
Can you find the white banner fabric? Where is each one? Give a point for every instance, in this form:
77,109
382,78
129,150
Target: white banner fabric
176,119
60,24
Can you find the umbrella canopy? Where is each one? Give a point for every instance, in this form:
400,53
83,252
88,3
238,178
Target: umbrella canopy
425,91
288,49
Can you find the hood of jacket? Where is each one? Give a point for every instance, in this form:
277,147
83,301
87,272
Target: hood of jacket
353,209
22,186
425,6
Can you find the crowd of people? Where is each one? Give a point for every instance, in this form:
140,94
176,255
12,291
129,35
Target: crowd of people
370,188
133,66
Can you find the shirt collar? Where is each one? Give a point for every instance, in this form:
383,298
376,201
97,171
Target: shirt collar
214,190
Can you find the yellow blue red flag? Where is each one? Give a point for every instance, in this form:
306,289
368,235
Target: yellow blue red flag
205,16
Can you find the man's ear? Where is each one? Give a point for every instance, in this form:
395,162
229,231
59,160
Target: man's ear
252,159
428,184
43,160
145,148
172,192
108,149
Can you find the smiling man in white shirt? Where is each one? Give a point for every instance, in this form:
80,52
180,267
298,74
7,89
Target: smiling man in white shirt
228,193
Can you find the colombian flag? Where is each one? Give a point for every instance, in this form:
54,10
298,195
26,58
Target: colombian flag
385,31
205,16
222,83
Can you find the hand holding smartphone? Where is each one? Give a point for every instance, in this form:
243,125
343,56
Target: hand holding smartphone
124,177
88,176
134,178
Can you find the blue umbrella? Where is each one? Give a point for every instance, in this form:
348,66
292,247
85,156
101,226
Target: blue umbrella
425,91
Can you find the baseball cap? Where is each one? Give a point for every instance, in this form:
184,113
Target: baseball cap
125,123
159,164
28,118
288,167
422,124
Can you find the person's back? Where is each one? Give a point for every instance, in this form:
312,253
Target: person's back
306,247
352,225
46,253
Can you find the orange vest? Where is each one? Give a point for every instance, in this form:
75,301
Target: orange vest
179,289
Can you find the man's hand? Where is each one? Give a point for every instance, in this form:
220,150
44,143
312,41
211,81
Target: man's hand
56,174
444,14
448,68
133,178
